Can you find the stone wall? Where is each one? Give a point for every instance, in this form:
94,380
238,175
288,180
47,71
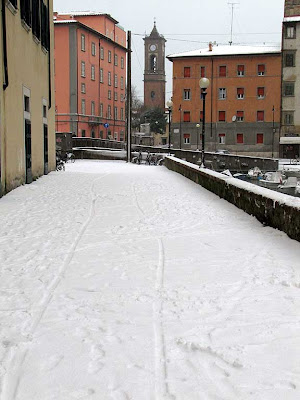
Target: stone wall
274,209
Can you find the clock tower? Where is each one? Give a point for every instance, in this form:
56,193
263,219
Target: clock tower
154,73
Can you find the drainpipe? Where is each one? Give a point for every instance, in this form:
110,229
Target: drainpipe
49,58
4,39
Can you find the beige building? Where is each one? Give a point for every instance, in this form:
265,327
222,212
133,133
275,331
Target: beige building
27,137
290,101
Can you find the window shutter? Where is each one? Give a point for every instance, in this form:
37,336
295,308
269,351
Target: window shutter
261,68
260,138
186,116
241,68
222,116
240,91
240,138
260,115
261,91
240,114
222,70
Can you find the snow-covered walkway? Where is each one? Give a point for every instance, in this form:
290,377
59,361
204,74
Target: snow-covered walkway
130,282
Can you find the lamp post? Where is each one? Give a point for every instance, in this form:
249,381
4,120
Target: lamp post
170,105
198,126
203,83
273,132
180,126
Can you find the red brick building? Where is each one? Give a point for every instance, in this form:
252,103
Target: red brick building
90,75
242,102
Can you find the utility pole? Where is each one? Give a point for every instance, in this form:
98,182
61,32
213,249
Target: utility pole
129,98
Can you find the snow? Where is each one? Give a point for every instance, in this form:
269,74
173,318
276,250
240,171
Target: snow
122,281
228,51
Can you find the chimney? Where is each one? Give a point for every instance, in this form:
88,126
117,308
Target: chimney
210,46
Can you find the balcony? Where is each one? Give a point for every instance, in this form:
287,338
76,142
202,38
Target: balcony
93,120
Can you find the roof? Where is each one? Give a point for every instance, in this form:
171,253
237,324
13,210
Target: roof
292,19
229,51
87,14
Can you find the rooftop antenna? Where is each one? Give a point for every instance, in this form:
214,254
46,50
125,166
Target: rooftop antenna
232,8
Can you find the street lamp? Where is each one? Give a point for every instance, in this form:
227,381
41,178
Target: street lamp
170,105
203,83
273,132
198,126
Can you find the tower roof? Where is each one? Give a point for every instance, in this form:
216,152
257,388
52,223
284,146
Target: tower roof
154,33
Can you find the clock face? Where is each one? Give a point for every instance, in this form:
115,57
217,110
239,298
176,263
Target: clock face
153,47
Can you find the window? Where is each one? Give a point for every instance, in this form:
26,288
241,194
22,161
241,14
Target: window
83,133
261,69
83,69
289,59
101,53
153,63
221,138
116,59
260,116
92,108
109,95
241,70
240,93
186,138
222,116
82,42
186,94
240,138
27,104
122,62
288,118
222,93
152,94
202,72
83,88
222,70
260,92
101,75
83,106
25,6
45,31
186,116
36,19
116,96
201,115
288,88
290,31
122,82
108,111
101,110
240,116
122,114
115,112
121,97
109,56
93,134
116,81
187,72
93,49
109,78
260,138
93,72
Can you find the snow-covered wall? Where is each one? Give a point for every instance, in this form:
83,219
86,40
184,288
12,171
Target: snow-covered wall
271,208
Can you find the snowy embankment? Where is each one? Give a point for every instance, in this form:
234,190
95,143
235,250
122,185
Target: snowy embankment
122,281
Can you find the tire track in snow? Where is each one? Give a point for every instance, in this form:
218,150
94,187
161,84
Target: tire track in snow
161,383
17,353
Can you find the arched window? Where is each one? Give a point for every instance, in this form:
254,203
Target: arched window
153,63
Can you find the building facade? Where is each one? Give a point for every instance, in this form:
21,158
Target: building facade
27,137
154,72
290,101
90,75
242,102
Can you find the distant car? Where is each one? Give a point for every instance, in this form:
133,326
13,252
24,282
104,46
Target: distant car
222,152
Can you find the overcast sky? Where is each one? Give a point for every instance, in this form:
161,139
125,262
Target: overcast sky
187,25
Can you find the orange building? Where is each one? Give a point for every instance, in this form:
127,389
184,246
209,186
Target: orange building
242,102
90,75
